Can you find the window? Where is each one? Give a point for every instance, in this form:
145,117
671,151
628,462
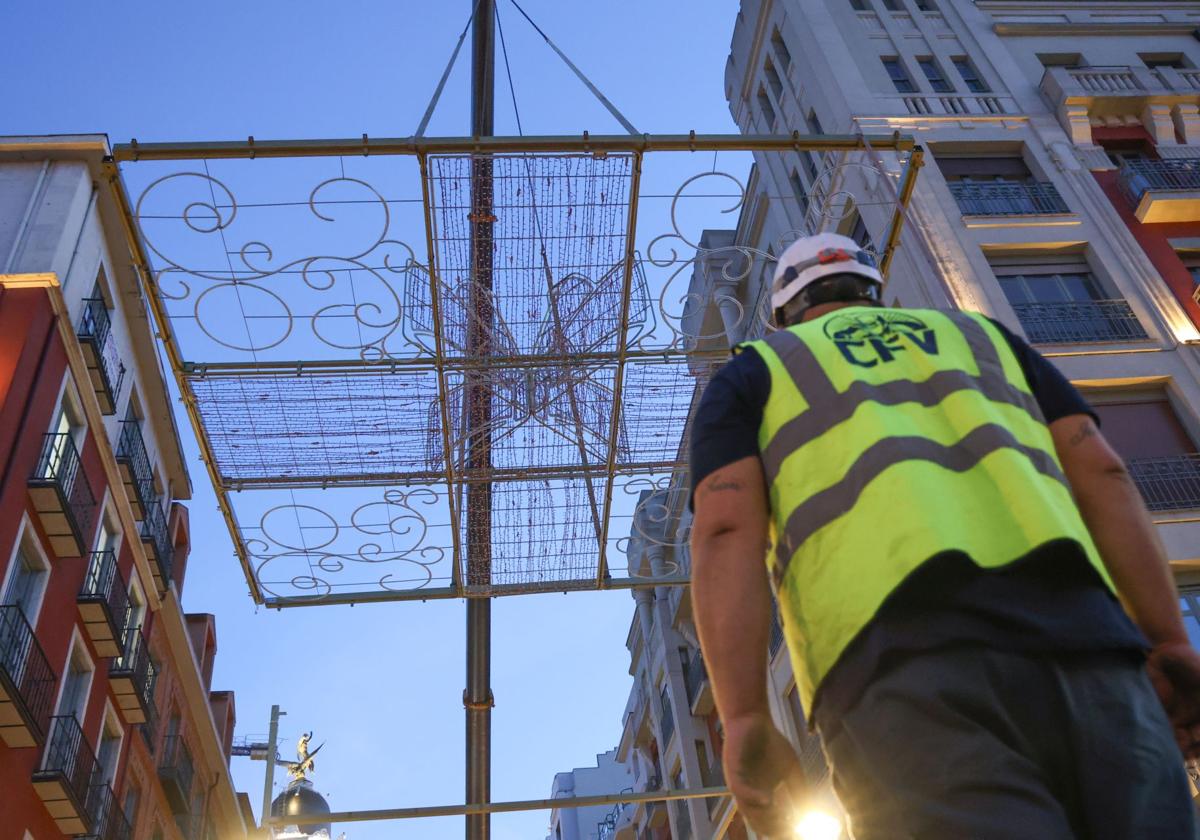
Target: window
933,72
77,681
896,73
109,751
1064,303
1009,168
764,105
893,5
773,80
814,124
132,795
1049,284
800,193
781,51
809,161
1175,61
860,234
970,75
29,571
1161,455
860,5
926,6
1070,61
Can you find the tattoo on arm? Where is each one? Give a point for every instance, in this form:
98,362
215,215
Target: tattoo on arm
1086,430
721,485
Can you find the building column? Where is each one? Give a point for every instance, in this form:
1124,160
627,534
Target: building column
1187,122
1157,120
1074,120
733,314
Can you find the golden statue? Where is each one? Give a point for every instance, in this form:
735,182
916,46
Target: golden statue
299,770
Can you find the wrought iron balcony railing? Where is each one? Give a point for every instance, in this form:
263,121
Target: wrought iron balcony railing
176,771
1079,322
26,681
668,724
104,364
1168,483
67,773
1136,177
157,537
1006,198
694,675
104,603
63,496
108,821
776,633
132,676
135,466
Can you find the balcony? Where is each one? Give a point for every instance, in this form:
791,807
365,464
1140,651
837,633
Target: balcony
668,723
134,463
66,775
1168,484
1119,89
104,366
175,772
108,821
62,495
104,603
1162,190
132,677
1007,198
1079,322
157,539
26,682
699,689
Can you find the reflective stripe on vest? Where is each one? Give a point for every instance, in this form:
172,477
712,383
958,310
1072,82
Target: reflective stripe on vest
890,436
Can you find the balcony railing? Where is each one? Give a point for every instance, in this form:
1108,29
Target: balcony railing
175,771
1168,483
683,820
1006,198
62,495
104,365
108,821
157,538
1079,322
668,724
1162,190
26,681
132,677
135,467
694,675
104,603
66,776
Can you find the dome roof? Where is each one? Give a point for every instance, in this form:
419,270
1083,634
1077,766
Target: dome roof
301,800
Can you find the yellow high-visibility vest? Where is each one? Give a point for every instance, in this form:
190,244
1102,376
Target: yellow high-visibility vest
890,436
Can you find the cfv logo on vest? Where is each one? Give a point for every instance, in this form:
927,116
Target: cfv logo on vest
868,339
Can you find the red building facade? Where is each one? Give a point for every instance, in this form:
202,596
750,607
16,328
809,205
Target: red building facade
108,725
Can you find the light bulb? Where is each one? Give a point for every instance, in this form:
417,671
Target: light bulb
818,825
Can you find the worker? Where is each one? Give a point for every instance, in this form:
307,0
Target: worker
946,531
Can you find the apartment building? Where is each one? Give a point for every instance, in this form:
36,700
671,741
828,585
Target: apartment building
109,727
1060,195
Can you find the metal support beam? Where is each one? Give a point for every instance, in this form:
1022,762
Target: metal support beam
477,698
505,807
272,749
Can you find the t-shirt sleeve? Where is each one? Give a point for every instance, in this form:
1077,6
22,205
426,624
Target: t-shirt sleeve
725,428
1055,395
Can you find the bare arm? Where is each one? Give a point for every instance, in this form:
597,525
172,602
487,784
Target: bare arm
1118,521
731,597
1134,556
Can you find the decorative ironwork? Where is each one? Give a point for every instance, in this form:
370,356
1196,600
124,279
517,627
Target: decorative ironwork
1137,177
1006,198
134,676
1168,484
156,534
694,675
69,760
108,821
134,461
26,679
326,362
104,588
1078,322
100,352
176,772
71,501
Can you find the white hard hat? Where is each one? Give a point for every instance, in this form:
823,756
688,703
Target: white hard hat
809,259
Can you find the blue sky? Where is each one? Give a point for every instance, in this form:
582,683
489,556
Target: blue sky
381,683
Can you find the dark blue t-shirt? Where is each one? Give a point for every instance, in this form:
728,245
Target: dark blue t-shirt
1049,600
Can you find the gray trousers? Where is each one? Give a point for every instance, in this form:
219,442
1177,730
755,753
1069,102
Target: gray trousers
970,743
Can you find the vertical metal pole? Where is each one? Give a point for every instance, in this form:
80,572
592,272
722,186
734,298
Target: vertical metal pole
272,748
478,695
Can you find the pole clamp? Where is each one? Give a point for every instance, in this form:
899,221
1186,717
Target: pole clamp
470,706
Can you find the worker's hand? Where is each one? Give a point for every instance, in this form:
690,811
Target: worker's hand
1174,669
763,775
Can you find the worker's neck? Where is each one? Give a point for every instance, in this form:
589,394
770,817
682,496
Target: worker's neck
825,308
